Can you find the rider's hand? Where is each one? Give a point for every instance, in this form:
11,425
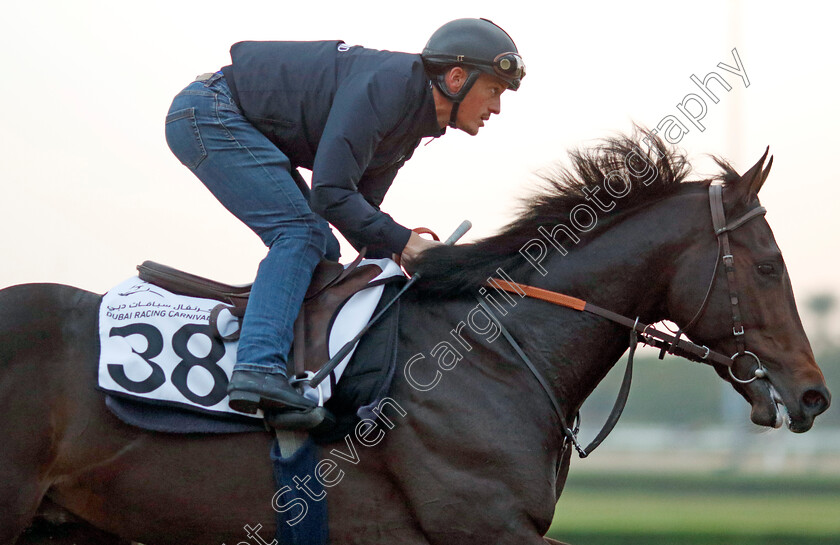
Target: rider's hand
416,245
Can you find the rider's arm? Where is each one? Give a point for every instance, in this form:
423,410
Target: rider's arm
365,109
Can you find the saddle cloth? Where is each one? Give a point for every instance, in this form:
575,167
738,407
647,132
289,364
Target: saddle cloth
161,346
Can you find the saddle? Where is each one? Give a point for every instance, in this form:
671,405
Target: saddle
332,284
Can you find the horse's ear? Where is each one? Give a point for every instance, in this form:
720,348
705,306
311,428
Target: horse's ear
764,174
748,186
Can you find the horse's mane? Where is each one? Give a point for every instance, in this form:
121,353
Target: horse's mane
451,270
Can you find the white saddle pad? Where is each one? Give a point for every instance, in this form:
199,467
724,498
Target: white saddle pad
158,346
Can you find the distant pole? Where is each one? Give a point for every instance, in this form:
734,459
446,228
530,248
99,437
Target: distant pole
731,409
735,134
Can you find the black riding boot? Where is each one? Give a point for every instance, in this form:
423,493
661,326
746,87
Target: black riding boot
252,390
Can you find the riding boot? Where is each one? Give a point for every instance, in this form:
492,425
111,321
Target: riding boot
250,390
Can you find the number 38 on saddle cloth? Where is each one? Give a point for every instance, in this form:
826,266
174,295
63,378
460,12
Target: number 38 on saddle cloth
169,337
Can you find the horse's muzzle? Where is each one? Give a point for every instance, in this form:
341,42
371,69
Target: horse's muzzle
799,414
813,402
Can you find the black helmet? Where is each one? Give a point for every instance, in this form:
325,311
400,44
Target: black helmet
479,45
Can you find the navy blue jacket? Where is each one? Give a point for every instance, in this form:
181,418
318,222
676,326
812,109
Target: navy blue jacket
351,115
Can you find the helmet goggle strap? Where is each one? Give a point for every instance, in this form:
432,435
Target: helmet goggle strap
457,97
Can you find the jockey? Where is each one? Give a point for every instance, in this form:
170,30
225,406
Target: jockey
351,115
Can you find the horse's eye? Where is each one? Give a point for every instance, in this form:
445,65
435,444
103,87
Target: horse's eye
766,269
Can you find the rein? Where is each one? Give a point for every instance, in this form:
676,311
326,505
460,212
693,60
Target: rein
646,333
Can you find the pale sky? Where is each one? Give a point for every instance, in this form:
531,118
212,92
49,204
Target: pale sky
90,189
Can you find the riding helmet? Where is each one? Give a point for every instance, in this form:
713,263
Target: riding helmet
477,44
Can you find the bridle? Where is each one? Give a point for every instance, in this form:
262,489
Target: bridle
722,230
646,333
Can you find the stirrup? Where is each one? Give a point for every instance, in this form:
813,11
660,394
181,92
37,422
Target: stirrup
317,419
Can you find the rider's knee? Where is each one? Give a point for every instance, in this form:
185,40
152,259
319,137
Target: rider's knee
306,229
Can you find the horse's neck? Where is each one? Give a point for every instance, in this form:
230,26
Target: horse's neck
625,270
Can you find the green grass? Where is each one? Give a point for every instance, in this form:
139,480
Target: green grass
699,509
589,538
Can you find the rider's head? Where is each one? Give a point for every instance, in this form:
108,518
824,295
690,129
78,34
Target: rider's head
482,51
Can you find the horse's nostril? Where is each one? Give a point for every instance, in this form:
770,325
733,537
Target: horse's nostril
815,402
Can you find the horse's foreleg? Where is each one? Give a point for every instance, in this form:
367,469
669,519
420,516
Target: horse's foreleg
550,541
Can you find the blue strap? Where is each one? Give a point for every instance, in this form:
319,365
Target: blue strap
302,518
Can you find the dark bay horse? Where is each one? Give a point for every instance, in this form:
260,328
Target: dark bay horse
477,454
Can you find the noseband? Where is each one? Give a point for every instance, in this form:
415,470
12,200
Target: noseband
645,333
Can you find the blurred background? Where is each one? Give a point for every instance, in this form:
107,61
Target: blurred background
88,189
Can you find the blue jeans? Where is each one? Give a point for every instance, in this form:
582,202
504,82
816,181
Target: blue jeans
253,179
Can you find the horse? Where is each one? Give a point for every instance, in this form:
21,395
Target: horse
472,448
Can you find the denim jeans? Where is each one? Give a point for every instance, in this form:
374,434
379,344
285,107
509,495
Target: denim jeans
253,179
